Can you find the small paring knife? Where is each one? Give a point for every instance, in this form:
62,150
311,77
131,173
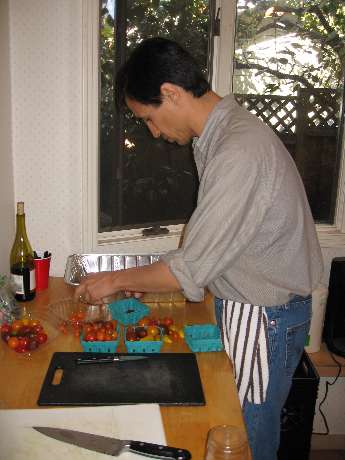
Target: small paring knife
113,446
110,359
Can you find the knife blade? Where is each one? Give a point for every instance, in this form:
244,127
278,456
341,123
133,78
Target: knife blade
109,359
113,446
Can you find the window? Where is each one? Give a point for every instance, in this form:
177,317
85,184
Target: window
144,181
289,71
267,64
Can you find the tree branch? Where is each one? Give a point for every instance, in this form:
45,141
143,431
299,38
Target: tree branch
276,73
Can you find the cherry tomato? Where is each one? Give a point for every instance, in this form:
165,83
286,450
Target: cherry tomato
167,321
90,337
33,344
100,335
34,322
37,328
141,332
42,337
17,324
6,328
153,330
13,342
145,321
24,342
20,349
175,336
108,326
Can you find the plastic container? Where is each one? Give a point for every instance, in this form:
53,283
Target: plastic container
144,346
226,442
107,346
70,314
203,337
128,311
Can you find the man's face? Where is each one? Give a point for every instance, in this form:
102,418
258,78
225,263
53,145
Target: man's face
165,120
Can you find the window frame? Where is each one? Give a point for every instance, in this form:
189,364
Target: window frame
132,241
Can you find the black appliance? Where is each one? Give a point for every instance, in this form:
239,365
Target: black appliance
334,325
297,416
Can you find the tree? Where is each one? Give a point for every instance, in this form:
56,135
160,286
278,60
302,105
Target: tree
150,179
318,27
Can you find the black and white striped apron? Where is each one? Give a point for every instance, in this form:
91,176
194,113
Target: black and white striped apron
245,338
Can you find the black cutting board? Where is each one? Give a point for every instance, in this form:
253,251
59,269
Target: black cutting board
162,378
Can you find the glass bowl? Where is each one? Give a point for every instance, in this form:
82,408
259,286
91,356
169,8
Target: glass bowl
27,335
70,316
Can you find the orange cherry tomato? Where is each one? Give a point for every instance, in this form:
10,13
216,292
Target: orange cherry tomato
13,342
153,330
100,336
144,321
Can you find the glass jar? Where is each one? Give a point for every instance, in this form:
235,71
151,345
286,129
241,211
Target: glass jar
226,442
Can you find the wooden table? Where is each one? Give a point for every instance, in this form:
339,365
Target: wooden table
22,377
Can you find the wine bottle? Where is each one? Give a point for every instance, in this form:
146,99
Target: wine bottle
22,260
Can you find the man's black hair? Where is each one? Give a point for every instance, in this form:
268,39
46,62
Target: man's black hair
153,62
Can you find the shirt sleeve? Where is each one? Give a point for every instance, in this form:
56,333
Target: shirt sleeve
232,203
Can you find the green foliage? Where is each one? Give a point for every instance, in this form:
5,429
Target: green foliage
318,26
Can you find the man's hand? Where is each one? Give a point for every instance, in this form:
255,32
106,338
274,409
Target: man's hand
96,287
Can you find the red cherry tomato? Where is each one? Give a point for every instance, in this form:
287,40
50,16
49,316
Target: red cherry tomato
5,328
42,337
167,321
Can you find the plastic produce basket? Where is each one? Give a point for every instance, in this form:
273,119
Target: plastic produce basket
107,346
128,311
203,337
143,346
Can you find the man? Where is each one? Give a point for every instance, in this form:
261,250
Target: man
251,239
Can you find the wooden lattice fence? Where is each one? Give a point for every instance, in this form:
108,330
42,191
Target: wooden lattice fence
308,125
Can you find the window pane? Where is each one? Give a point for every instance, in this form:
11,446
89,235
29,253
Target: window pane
289,71
144,181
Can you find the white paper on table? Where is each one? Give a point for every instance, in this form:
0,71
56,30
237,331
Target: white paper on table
19,441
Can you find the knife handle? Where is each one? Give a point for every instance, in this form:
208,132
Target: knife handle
158,451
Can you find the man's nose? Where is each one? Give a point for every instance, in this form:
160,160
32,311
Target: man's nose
154,131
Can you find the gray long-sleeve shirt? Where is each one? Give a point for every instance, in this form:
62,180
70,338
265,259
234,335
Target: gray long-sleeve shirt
252,237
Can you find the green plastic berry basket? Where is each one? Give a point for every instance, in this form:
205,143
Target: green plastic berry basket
106,346
203,337
128,311
143,346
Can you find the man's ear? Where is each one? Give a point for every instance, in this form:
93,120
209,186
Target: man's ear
171,92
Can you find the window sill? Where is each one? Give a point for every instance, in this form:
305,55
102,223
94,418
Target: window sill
330,237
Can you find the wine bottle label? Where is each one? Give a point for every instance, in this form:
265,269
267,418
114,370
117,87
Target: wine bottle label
18,282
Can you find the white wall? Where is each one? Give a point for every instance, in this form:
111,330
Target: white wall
6,170
46,60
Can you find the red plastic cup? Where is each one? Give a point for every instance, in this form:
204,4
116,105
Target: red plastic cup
42,267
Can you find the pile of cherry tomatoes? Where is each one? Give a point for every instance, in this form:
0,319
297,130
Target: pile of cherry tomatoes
23,335
100,331
75,321
152,329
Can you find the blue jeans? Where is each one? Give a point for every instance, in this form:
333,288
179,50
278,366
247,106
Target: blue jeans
288,327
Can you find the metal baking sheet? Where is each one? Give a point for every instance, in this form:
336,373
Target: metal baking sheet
79,265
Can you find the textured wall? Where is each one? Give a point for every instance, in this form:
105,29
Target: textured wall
46,59
6,170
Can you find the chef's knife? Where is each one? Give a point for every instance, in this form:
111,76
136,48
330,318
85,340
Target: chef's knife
113,446
110,359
